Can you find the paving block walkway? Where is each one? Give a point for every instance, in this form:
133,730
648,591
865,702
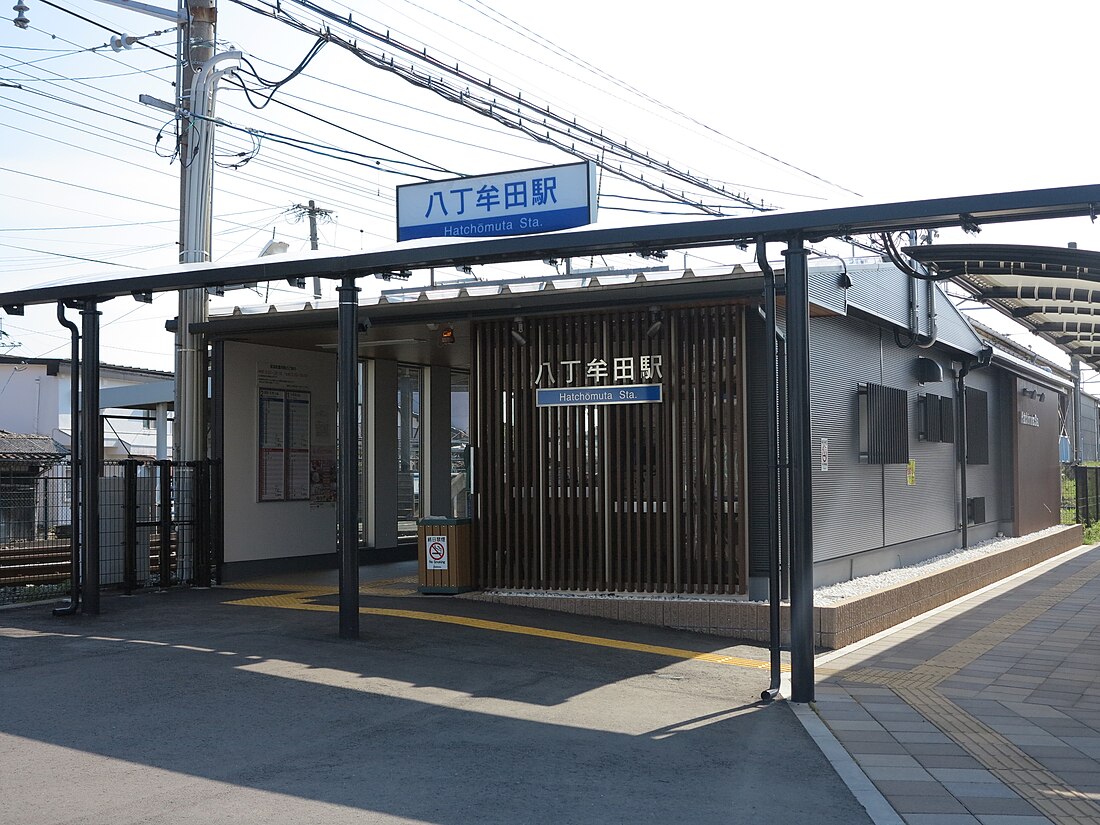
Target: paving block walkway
986,711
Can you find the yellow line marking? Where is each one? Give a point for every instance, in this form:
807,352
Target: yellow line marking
297,601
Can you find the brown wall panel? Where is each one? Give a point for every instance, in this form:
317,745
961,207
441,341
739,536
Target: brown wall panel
631,497
1036,471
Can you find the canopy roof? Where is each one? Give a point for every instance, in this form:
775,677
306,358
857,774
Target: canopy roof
816,225
1053,291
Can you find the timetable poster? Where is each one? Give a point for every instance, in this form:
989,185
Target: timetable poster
284,441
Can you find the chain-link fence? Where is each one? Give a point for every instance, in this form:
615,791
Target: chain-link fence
157,526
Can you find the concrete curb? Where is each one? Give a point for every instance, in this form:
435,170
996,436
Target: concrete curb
862,788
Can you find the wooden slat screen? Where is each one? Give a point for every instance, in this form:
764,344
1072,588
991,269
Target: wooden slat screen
585,497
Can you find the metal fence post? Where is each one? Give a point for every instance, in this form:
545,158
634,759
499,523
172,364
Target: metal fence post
164,472
200,519
129,526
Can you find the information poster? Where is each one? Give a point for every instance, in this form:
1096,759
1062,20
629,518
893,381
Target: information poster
297,446
284,440
272,433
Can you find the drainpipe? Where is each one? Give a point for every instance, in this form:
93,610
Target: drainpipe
772,396
74,464
1078,430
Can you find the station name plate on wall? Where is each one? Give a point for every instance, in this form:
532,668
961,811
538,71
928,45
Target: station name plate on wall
621,394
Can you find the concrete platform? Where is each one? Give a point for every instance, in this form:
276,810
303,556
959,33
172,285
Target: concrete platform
985,711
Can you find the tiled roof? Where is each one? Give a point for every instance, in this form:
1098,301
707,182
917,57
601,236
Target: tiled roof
22,447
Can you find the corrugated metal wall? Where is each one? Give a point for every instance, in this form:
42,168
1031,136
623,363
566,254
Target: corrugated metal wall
883,290
928,507
848,497
859,506
993,481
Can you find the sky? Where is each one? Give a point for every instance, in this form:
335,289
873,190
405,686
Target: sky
797,105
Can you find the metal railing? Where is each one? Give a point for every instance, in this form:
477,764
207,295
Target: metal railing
157,526
1087,494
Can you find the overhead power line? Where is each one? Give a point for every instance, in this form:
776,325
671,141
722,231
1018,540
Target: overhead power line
507,108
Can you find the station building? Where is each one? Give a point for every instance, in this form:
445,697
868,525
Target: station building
609,433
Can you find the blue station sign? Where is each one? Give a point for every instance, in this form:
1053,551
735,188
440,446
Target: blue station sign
580,396
510,203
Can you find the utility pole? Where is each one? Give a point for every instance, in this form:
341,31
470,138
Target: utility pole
313,212
197,47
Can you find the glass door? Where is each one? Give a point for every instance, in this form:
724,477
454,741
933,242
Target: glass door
409,389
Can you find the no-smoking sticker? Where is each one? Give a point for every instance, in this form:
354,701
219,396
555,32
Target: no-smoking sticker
436,552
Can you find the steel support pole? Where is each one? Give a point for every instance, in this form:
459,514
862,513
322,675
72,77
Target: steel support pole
964,510
801,477
347,462
91,443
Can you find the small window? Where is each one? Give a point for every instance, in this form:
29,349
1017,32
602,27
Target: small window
936,415
977,426
883,424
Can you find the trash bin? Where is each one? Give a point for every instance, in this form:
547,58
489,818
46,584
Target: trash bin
443,552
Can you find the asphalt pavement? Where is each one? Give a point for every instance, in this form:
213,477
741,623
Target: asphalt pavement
242,706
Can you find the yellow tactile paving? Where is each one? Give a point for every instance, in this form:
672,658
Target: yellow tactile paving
917,687
305,599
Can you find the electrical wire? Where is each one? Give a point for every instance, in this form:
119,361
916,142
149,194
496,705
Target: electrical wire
274,86
545,126
61,255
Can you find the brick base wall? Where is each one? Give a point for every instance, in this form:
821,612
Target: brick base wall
835,626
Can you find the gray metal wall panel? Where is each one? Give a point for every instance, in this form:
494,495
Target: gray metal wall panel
847,506
952,328
883,290
880,289
825,290
993,481
929,506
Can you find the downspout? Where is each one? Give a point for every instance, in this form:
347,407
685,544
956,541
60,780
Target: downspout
1078,411
772,396
74,462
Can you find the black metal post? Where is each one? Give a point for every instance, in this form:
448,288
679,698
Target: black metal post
200,524
963,508
801,479
347,441
164,526
1078,411
74,466
772,396
129,529
91,443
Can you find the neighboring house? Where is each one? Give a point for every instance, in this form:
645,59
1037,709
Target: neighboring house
27,508
34,399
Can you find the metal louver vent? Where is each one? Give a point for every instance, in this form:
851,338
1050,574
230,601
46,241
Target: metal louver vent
883,424
937,418
977,426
